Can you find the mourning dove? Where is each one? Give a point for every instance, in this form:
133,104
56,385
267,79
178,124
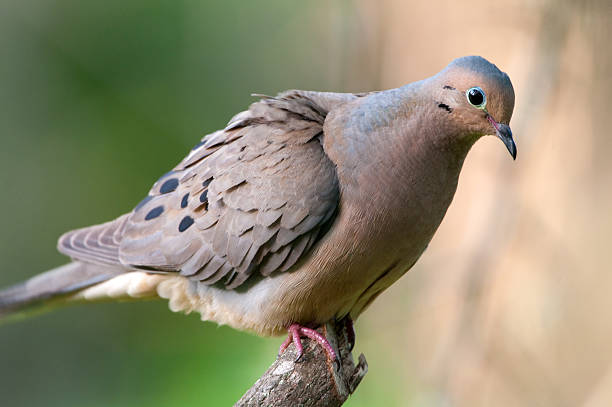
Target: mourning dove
302,210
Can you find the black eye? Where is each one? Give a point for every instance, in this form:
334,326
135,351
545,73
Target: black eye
476,97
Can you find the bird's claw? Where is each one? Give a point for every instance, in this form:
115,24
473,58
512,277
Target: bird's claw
296,331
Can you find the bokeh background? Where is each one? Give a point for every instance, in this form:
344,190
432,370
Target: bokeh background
510,306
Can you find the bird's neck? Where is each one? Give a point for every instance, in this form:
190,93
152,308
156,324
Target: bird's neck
394,137
390,149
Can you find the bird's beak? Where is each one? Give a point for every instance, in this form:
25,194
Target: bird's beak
505,134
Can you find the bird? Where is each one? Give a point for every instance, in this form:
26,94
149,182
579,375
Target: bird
302,210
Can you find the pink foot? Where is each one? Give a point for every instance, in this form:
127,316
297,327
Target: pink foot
296,331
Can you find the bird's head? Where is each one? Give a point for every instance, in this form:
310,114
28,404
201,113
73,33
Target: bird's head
478,98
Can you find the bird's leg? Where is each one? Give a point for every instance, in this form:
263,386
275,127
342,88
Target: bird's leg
296,331
321,340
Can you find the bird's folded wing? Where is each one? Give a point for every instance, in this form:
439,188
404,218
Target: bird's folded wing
253,197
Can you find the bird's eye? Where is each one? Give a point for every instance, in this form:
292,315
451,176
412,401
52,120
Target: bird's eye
476,97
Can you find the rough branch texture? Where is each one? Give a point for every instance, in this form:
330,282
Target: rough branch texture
314,381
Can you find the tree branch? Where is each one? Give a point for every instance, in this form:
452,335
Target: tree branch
314,380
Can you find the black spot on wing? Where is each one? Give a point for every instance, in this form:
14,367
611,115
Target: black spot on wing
445,107
204,196
185,200
203,200
169,186
206,183
185,223
154,213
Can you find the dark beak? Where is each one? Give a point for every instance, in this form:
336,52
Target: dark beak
505,134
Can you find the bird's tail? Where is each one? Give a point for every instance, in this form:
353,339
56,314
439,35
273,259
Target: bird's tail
51,287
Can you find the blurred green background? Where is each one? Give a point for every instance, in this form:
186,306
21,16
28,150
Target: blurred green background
97,99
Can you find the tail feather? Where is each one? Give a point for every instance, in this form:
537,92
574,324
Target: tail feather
53,284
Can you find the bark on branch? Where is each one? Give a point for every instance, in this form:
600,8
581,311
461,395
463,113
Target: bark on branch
315,380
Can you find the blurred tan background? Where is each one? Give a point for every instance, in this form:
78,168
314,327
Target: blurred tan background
510,305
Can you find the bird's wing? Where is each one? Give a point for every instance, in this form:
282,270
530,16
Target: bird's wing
252,197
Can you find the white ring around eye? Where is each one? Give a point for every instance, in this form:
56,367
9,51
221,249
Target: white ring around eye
477,89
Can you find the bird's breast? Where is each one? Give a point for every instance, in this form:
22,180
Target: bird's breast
383,225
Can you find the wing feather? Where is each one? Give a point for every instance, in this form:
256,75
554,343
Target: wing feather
252,197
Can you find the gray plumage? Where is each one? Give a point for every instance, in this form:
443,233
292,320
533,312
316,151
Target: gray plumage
304,208
258,192
55,283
